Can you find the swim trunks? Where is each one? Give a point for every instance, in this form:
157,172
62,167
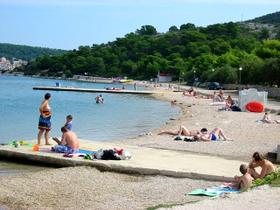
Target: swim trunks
44,123
214,137
63,149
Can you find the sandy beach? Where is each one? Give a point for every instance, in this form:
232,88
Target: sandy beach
84,187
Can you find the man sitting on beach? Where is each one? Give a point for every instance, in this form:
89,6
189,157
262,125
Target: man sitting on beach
244,181
258,161
69,142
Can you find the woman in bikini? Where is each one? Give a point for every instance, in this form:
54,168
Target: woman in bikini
45,119
182,131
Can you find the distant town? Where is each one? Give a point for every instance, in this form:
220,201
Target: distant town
8,65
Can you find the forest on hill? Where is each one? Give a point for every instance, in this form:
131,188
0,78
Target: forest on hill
273,18
24,52
212,53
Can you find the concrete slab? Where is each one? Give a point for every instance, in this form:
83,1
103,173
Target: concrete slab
144,161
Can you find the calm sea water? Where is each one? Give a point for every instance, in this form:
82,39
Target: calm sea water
121,115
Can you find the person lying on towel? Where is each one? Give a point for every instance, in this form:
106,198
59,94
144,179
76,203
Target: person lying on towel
69,142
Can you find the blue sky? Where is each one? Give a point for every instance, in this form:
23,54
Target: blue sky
67,24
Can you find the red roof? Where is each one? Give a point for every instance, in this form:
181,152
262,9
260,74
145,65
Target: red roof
164,74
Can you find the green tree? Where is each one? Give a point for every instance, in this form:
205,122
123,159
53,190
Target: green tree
173,29
147,30
188,26
264,34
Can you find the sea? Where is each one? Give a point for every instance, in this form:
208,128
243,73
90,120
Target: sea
121,115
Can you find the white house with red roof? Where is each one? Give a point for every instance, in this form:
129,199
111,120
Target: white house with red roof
164,77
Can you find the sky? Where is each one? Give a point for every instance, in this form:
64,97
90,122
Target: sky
68,24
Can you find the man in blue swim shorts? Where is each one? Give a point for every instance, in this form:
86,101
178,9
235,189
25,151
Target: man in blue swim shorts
69,142
212,136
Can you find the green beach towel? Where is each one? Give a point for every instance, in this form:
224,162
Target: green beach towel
203,192
214,191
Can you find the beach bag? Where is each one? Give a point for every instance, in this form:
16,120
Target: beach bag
235,108
190,139
178,138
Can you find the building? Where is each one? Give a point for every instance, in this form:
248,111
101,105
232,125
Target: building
7,65
163,77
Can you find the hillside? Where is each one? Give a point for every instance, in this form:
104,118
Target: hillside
212,53
26,52
273,18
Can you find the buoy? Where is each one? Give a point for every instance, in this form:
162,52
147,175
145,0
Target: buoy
255,106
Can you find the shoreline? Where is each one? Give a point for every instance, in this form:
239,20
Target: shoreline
247,134
106,190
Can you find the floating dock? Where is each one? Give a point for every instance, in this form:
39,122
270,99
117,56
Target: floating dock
75,89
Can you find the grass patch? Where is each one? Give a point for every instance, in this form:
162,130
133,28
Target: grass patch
275,183
268,179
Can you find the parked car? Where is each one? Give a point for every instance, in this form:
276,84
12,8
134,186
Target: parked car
214,86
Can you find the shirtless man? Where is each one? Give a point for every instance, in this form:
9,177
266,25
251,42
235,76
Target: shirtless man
258,161
69,142
214,135
244,181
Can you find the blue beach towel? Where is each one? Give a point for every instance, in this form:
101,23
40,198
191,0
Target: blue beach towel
87,152
213,191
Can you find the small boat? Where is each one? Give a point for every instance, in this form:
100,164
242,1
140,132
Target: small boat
126,80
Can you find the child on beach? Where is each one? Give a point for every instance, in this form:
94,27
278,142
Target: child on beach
68,123
244,181
267,119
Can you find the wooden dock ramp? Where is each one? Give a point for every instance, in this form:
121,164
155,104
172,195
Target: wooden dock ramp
89,90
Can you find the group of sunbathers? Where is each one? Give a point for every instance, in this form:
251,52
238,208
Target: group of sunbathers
202,135
249,172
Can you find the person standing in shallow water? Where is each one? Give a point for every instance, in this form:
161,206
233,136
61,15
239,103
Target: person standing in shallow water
44,125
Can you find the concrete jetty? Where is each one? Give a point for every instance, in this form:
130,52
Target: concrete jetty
75,89
144,161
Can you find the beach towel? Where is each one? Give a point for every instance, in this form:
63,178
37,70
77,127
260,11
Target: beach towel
214,191
87,152
184,138
223,103
80,153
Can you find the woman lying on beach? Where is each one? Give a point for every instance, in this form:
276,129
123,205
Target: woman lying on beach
182,131
202,135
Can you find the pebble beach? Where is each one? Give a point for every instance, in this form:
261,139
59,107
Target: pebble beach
85,187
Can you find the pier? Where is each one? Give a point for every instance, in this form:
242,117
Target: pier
75,89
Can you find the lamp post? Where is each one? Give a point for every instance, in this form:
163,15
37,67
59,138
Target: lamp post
240,70
194,75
